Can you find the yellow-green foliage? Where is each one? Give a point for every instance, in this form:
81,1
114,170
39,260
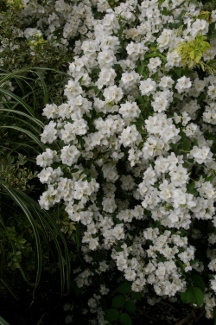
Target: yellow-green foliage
206,15
17,4
191,52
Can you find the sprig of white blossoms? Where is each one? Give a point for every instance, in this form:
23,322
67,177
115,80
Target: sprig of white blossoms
134,134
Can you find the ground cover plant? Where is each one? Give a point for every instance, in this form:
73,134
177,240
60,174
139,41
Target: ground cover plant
127,150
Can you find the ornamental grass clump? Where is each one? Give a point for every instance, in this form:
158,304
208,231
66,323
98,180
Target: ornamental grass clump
135,164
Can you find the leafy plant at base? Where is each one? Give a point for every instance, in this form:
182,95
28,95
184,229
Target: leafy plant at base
20,130
122,305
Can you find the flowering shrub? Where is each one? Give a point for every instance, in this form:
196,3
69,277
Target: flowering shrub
136,165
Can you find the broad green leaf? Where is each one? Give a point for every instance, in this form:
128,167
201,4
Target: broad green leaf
130,306
136,295
196,296
112,315
124,288
118,301
193,295
184,297
125,319
198,282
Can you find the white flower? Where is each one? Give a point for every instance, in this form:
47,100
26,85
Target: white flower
129,111
201,155
50,111
49,134
109,204
69,155
200,26
130,274
106,59
32,32
147,86
130,136
113,94
106,77
72,89
46,158
166,82
154,63
183,84
164,39
160,102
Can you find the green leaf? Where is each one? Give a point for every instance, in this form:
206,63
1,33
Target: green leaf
33,119
130,306
9,288
193,295
118,301
198,282
196,296
191,188
30,134
195,2
124,288
178,71
136,295
186,145
125,319
111,315
181,14
13,194
165,12
184,297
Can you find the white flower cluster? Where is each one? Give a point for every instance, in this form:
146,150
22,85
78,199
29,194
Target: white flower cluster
136,164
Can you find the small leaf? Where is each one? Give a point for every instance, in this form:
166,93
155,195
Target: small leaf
125,319
178,72
124,288
112,315
130,306
191,189
186,145
118,301
192,55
